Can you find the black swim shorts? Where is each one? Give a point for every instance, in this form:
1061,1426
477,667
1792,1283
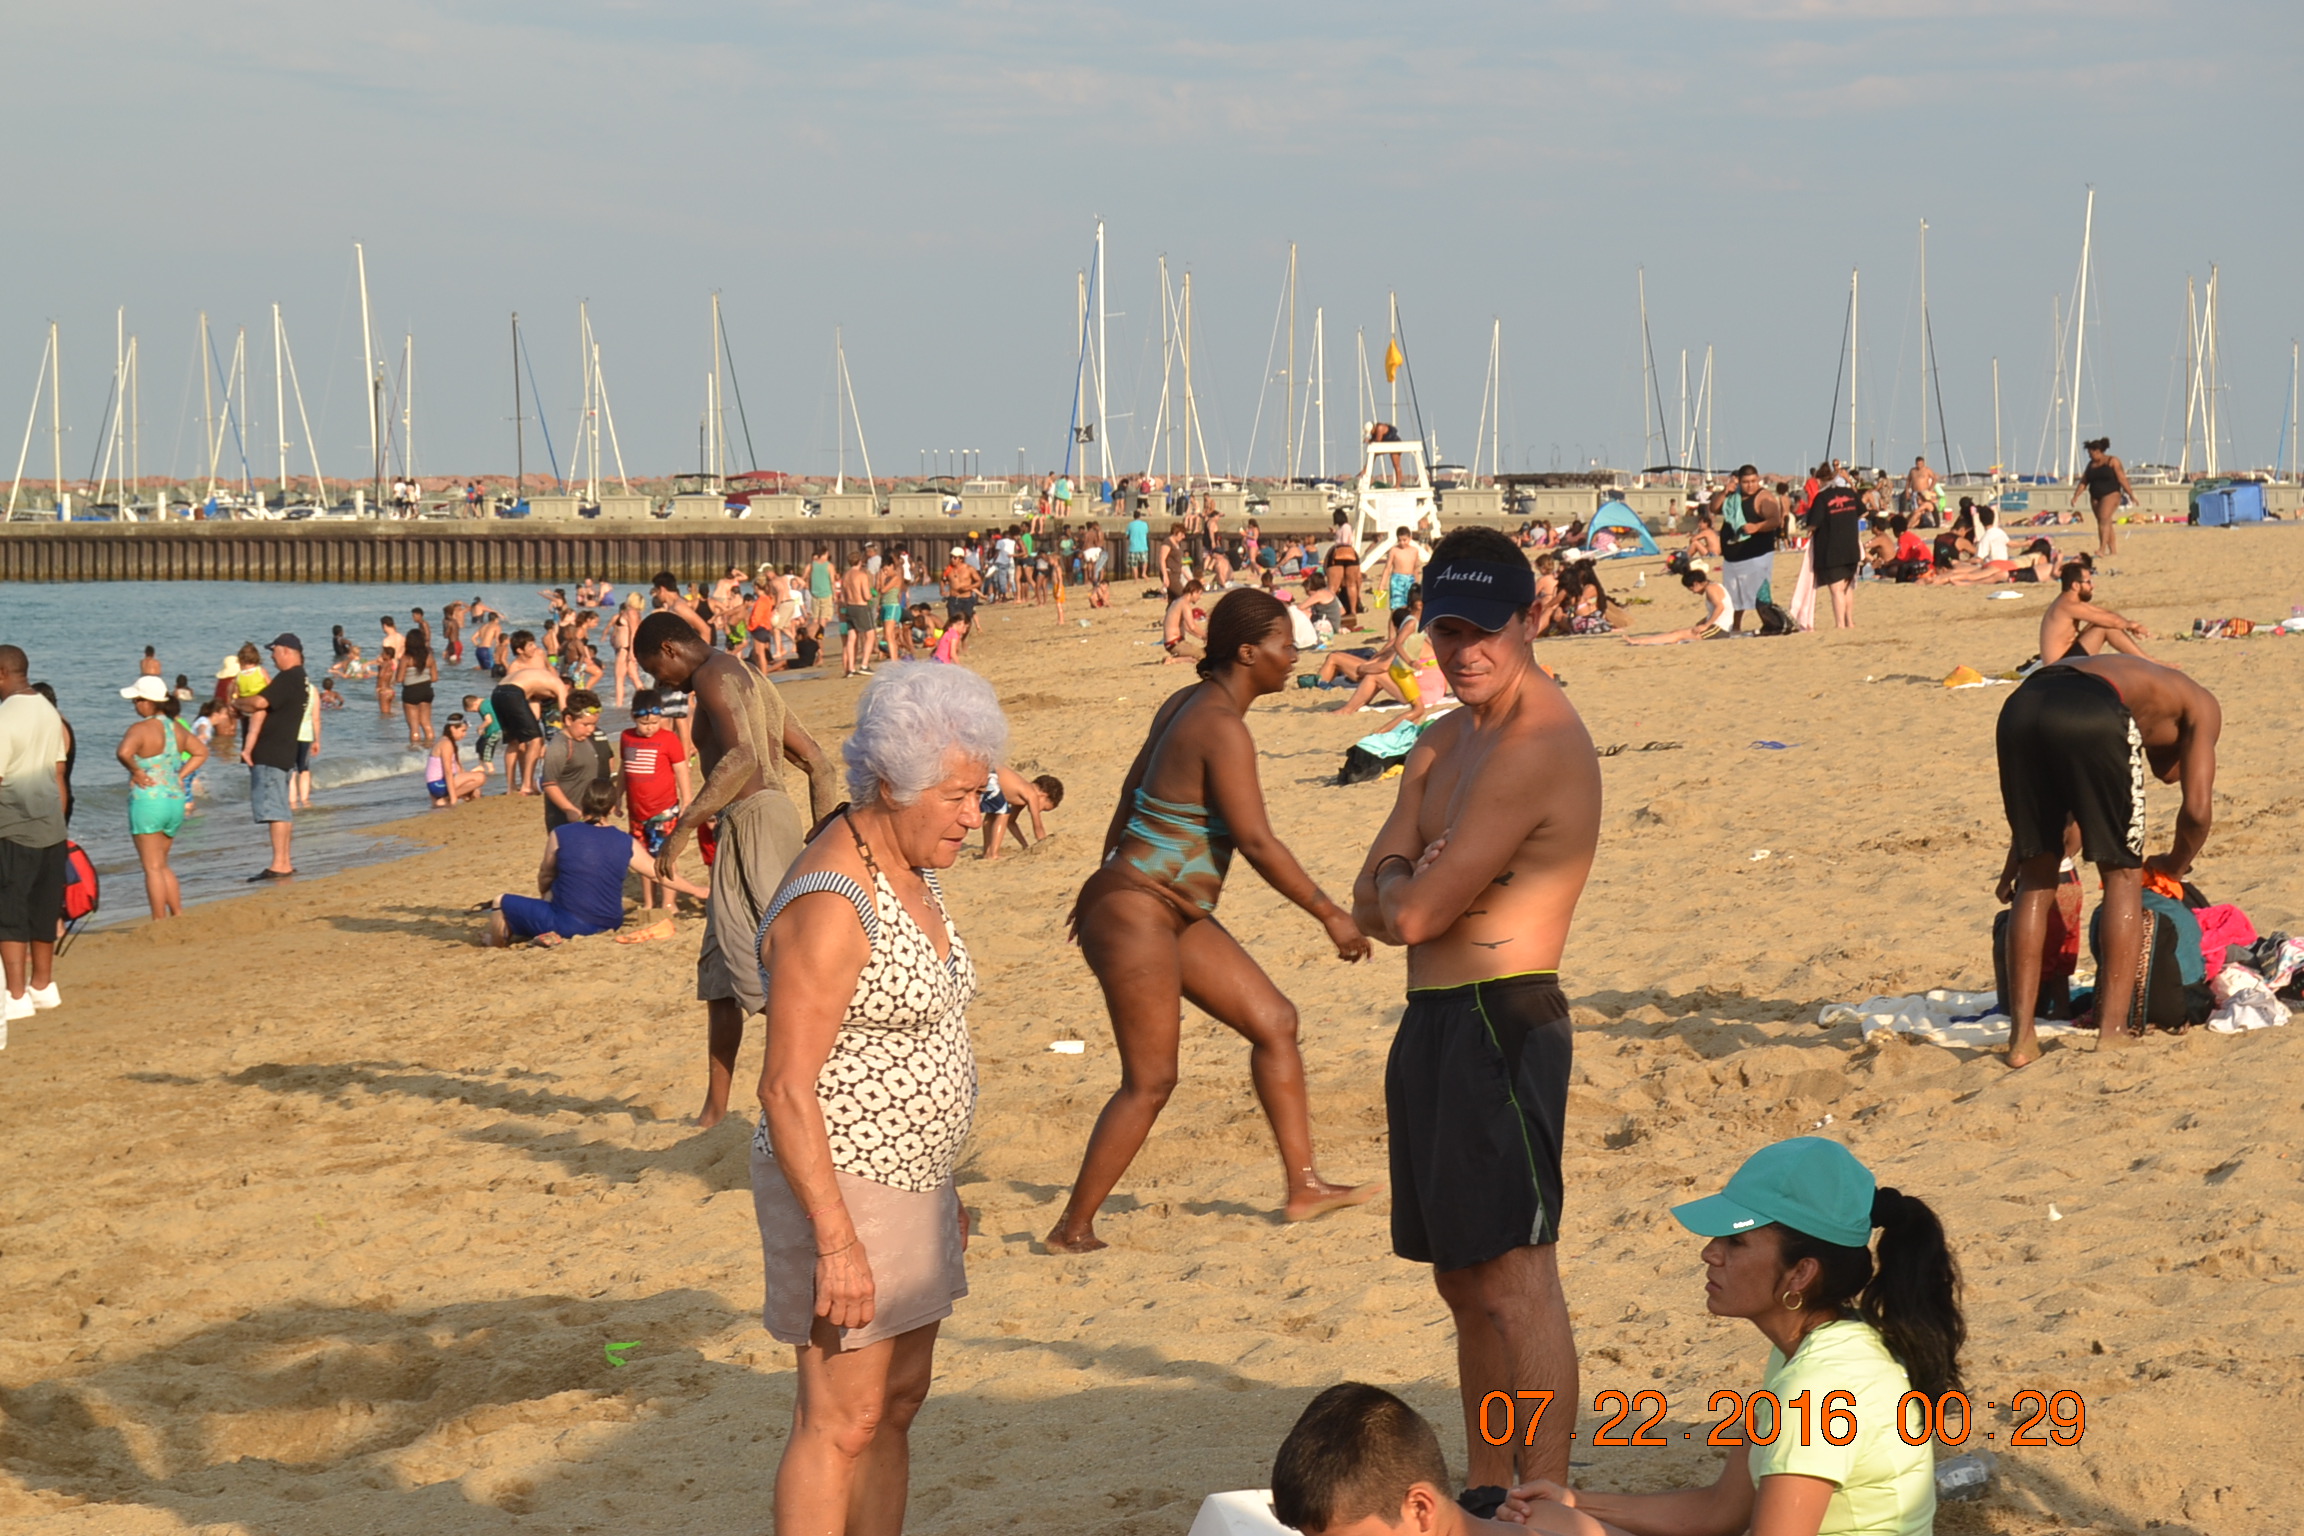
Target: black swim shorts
1476,1092
514,716
2070,751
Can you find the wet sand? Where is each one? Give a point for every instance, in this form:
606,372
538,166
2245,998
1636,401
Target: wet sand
319,1218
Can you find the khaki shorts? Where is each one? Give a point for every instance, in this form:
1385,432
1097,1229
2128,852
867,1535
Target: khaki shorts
821,610
912,1242
760,836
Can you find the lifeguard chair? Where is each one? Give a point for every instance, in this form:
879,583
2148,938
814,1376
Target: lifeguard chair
1394,491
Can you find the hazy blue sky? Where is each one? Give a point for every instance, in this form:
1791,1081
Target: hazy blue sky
928,177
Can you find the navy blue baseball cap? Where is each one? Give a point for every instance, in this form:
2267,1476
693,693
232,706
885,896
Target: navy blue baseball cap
288,642
1479,592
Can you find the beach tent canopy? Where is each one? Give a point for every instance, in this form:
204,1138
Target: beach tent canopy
1614,516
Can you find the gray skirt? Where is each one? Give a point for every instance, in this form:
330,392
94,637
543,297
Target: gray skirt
912,1242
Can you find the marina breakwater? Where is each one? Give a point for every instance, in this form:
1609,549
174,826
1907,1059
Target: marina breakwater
693,543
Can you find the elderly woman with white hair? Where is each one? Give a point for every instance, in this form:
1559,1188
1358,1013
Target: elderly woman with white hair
868,1091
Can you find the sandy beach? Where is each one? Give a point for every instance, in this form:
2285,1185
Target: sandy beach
319,1219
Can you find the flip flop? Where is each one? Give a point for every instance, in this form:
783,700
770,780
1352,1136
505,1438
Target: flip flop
1661,746
1612,751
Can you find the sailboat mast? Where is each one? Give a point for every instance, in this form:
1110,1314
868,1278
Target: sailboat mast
1320,372
207,404
280,400
1103,427
1391,374
1290,449
519,427
1855,317
2079,336
2215,368
1711,394
2295,378
1682,460
840,409
1924,344
135,420
408,405
1997,461
240,373
56,414
719,415
368,375
1184,345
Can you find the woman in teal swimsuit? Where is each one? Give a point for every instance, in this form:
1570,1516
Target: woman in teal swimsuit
159,754
1146,918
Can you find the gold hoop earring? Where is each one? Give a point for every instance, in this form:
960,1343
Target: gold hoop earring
1793,1301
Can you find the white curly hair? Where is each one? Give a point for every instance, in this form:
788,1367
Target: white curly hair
911,717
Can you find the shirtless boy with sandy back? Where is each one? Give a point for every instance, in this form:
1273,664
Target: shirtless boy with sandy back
744,736
1477,871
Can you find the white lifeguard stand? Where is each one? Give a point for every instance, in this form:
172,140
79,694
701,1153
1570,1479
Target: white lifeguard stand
1394,491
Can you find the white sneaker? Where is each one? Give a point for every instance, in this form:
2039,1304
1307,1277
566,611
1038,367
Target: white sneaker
45,997
19,1007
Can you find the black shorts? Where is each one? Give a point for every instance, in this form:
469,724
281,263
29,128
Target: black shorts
1826,575
31,892
2070,751
416,693
961,608
514,716
1476,1093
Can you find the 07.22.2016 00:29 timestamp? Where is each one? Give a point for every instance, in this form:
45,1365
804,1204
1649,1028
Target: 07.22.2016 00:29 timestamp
1758,1418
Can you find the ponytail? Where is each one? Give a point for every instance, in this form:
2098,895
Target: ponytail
1914,1298
1911,1296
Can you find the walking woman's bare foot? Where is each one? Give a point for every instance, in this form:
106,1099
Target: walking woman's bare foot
1060,1241
1321,1197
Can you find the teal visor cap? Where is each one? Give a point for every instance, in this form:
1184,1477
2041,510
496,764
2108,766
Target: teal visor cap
1807,1183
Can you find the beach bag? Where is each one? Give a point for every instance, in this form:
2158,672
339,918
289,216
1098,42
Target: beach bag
2059,955
1774,620
81,890
2163,995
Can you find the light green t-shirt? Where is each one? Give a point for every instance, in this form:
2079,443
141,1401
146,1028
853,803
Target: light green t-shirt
1885,1487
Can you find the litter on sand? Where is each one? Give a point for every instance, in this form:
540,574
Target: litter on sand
1068,1047
1774,746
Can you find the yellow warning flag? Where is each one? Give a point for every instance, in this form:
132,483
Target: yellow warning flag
1393,359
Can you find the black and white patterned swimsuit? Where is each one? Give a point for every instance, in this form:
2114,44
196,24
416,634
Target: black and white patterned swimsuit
899,1089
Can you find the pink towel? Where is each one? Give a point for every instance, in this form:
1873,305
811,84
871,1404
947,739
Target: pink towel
2221,926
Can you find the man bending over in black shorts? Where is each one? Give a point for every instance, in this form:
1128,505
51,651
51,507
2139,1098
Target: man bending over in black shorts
2073,742
528,684
1477,871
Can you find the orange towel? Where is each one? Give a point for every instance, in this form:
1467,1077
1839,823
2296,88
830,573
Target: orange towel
2163,885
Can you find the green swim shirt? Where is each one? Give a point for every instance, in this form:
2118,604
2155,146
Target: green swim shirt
1886,1488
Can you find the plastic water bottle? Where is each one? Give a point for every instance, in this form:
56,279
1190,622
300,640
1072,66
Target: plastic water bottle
1963,1477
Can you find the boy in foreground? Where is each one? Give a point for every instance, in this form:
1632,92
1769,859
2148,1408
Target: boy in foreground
1360,1462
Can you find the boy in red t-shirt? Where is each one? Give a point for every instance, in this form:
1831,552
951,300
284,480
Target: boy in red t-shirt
655,792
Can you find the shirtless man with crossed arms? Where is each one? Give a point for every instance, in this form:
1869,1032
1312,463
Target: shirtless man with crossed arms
1477,871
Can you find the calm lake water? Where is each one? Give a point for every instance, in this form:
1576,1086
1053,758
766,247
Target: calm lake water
86,641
